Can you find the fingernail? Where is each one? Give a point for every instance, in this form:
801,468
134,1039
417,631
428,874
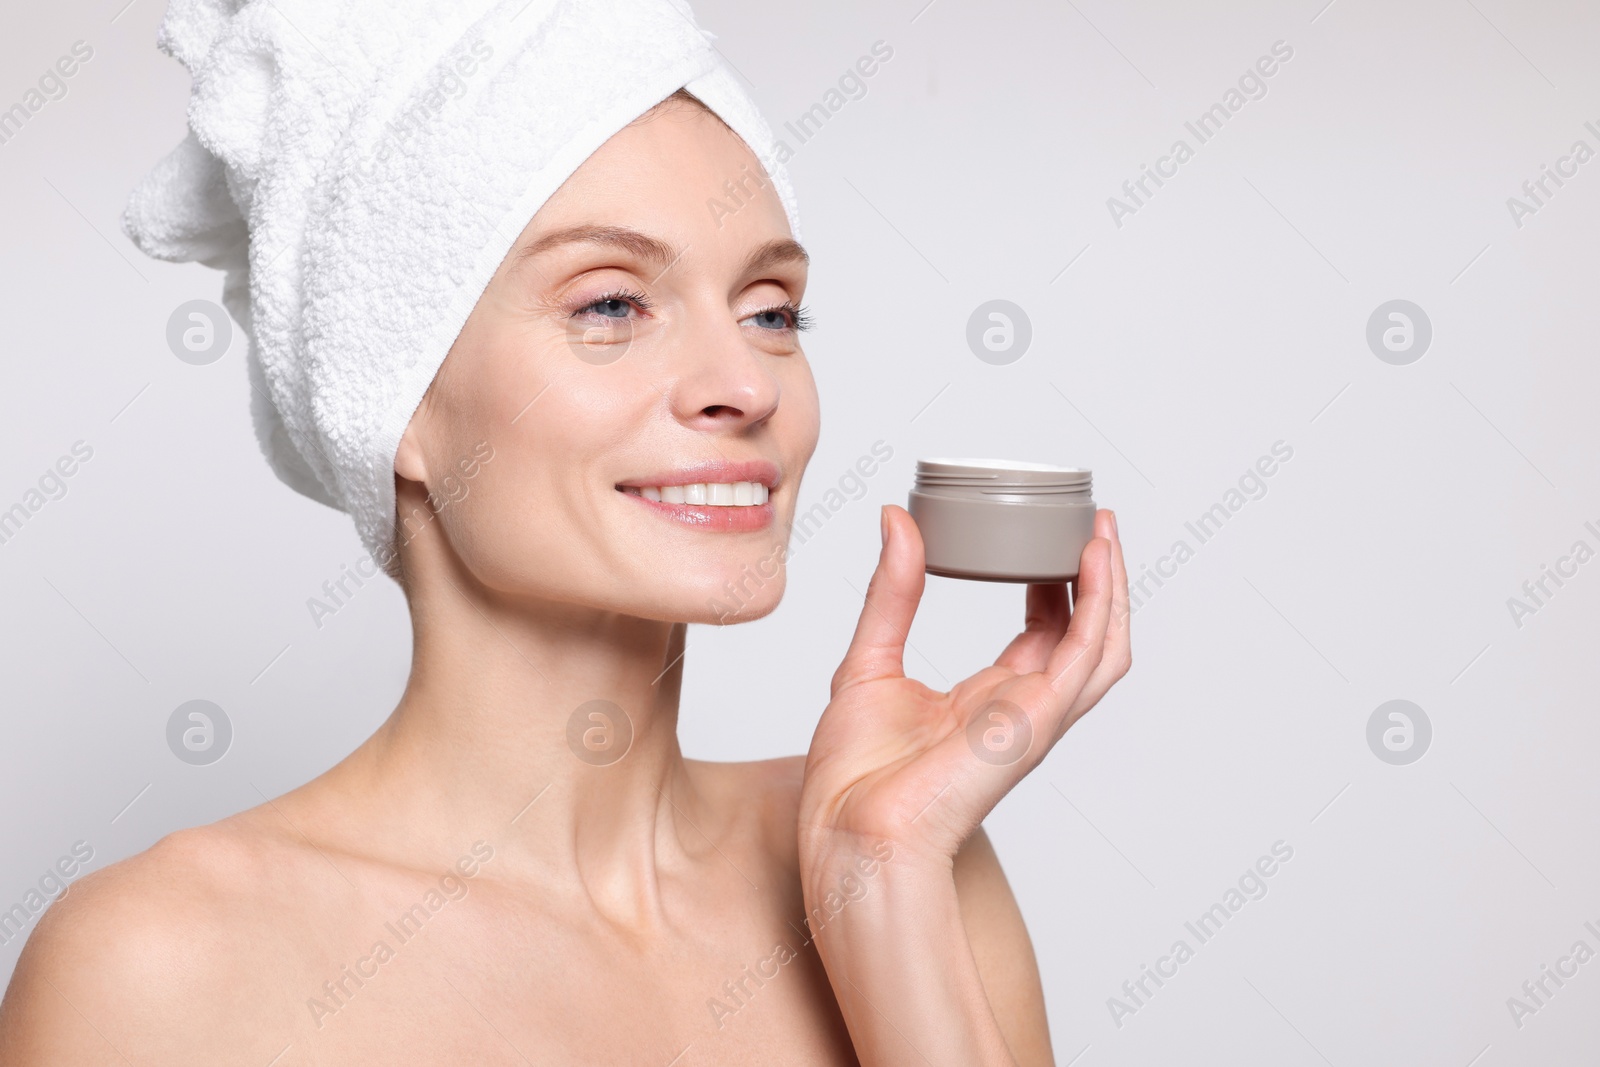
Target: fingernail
1113,515
883,523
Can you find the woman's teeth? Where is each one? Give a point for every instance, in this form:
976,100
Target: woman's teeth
711,494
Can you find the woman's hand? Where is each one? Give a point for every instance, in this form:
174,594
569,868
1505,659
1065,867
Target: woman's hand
899,776
893,760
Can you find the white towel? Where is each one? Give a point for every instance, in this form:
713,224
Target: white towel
359,168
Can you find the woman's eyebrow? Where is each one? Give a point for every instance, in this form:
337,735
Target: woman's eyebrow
650,249
775,252
654,250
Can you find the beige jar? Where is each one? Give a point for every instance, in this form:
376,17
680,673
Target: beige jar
1002,520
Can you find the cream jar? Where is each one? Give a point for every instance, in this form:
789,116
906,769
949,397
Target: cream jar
1001,520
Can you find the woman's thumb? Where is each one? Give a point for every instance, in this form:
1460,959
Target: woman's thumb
878,648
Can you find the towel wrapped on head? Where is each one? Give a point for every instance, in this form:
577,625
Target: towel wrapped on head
360,168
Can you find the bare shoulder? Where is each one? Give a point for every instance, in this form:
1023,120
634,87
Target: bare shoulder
1002,949
782,777
774,783
777,782
761,799
178,893
137,953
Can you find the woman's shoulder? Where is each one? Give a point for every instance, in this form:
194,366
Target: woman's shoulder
134,945
782,776
178,890
762,795
774,781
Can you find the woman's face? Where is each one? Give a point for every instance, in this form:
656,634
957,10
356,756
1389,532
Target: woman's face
628,390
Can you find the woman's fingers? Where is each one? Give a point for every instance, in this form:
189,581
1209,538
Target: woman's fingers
878,648
1048,613
1043,624
1117,655
1073,661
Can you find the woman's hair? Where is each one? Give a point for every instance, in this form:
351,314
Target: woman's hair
687,97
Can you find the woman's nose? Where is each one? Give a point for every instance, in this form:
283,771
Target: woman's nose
722,384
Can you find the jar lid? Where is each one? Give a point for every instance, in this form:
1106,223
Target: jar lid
1000,473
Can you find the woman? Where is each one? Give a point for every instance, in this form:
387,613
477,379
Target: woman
520,866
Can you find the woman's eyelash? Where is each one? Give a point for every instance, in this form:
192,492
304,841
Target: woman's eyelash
799,316
633,296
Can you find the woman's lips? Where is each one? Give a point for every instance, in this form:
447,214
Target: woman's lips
712,471
731,496
738,518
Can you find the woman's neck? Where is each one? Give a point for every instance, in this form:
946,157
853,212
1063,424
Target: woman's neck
550,732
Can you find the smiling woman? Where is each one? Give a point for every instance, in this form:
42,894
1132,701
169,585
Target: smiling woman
628,344
634,363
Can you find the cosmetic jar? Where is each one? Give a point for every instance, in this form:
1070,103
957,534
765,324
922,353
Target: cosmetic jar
998,520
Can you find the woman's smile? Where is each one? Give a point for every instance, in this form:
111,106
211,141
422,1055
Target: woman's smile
718,496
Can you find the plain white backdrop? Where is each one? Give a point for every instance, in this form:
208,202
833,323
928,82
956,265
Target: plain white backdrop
1172,346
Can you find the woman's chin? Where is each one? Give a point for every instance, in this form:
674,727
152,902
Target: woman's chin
738,600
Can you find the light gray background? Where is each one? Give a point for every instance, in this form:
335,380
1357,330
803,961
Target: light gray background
1228,313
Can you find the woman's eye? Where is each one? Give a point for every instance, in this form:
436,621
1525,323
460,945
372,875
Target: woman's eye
614,305
782,317
772,318
612,308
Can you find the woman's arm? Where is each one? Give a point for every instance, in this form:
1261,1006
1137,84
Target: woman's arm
898,781
1004,952
946,956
